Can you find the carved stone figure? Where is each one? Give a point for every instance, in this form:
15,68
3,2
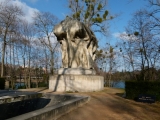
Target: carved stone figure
78,44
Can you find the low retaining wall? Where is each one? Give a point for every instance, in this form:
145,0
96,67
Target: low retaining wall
51,112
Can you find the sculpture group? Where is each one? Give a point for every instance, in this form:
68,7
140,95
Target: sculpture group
78,44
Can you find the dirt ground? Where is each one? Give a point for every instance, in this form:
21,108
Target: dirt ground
109,105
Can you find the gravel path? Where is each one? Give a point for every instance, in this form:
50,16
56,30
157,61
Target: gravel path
108,105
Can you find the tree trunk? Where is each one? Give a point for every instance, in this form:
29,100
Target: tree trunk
3,53
52,63
29,79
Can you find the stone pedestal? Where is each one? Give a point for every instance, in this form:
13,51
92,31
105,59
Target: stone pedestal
76,71
76,83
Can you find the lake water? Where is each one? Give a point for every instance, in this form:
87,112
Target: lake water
115,84
18,84
118,84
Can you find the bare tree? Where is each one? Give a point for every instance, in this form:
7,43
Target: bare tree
28,33
141,47
9,16
108,60
44,22
154,12
128,53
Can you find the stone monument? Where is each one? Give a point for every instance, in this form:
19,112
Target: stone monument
78,45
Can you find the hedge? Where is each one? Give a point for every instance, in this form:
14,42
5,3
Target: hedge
135,88
42,84
2,83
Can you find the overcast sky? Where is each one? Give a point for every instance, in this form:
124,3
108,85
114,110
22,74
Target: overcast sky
123,8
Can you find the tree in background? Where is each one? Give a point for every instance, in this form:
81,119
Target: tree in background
44,23
128,53
25,50
28,33
108,61
141,47
154,12
9,17
92,13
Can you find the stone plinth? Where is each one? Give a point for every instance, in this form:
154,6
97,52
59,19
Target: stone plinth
79,83
76,71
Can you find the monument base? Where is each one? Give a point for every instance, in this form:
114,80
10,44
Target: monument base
76,83
76,71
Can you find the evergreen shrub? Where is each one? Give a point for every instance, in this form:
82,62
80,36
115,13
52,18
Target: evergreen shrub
135,88
2,83
42,84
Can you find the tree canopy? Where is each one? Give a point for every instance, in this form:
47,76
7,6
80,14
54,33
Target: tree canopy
93,13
